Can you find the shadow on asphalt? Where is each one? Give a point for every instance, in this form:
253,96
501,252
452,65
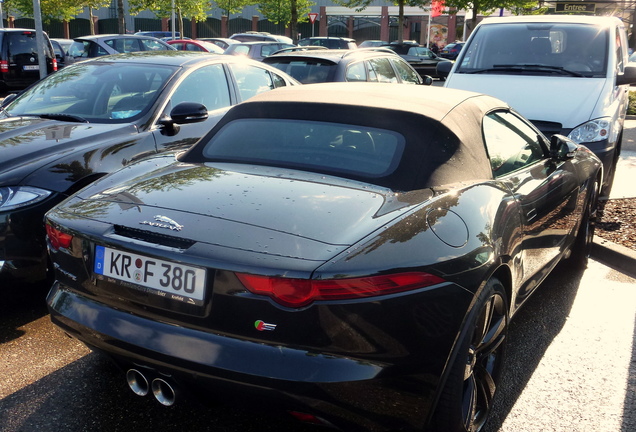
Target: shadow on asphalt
531,332
21,305
629,405
91,394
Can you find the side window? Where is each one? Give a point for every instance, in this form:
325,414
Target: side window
207,85
620,60
251,80
406,73
279,81
79,49
151,45
356,72
193,47
97,49
241,50
267,50
511,143
383,70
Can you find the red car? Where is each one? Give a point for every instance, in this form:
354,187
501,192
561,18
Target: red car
196,45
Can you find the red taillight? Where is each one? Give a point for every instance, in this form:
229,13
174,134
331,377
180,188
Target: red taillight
54,65
57,238
301,292
308,418
4,66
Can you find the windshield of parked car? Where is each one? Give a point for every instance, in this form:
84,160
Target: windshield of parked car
577,50
95,92
360,151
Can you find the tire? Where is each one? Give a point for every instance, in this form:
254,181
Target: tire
467,397
582,246
609,176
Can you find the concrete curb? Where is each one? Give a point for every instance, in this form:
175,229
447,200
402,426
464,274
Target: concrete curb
614,255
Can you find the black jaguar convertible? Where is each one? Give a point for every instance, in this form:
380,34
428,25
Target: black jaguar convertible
350,254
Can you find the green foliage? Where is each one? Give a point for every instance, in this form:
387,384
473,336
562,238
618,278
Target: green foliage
631,108
192,9
360,5
486,7
50,9
63,10
232,6
280,11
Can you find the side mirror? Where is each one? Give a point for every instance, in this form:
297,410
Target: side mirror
628,76
183,113
427,80
189,112
7,100
443,68
562,148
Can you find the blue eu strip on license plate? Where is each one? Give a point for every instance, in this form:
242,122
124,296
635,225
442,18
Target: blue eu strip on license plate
166,278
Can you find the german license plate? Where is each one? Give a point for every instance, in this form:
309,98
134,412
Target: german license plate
165,278
31,67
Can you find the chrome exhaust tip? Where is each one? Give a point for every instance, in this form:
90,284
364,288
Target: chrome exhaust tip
163,392
137,382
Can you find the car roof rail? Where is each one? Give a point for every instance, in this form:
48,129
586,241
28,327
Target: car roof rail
299,48
376,49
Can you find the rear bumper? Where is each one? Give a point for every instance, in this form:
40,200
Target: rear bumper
349,393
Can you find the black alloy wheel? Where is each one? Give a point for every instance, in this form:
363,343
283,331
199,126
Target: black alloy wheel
582,246
467,398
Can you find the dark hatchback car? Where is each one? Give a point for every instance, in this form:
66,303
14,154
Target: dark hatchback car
60,48
256,50
423,60
19,65
451,51
355,262
96,116
360,65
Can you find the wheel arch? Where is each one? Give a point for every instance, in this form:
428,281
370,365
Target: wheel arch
502,273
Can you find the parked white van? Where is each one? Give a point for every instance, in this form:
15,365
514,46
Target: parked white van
567,74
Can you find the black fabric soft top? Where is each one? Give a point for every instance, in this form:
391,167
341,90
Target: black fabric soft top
442,127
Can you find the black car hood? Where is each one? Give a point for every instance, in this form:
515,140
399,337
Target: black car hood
259,209
30,143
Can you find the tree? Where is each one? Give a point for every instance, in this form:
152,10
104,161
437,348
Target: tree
287,12
192,9
360,5
64,10
233,6
488,6
91,5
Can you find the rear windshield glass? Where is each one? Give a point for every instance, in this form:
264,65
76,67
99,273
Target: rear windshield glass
315,146
25,43
577,48
306,71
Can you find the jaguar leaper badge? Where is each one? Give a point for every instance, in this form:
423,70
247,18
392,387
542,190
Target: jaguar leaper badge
163,222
